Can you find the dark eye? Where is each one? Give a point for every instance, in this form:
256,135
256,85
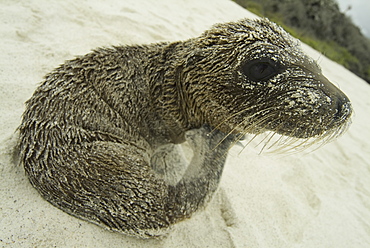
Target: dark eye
261,69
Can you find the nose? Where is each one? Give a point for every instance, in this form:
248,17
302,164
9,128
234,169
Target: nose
340,102
343,108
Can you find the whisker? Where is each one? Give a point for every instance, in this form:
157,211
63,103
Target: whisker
278,140
231,116
251,126
245,146
274,141
225,137
263,123
267,142
241,112
263,140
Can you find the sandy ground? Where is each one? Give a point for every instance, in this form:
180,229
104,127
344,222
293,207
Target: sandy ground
320,199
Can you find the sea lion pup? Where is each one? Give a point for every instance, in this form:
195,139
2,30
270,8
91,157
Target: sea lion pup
90,130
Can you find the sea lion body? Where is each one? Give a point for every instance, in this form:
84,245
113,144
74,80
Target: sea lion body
91,133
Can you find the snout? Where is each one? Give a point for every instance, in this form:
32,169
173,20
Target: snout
340,107
312,109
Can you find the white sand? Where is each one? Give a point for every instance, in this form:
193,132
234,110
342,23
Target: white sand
317,200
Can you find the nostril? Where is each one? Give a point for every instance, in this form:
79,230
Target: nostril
343,109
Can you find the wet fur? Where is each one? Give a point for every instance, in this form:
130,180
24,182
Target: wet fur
94,133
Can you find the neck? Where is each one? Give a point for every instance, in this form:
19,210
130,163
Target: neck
169,94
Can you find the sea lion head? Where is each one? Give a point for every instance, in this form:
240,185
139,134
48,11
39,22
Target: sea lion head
252,76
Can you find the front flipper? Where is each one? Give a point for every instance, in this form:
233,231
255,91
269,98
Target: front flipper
203,174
